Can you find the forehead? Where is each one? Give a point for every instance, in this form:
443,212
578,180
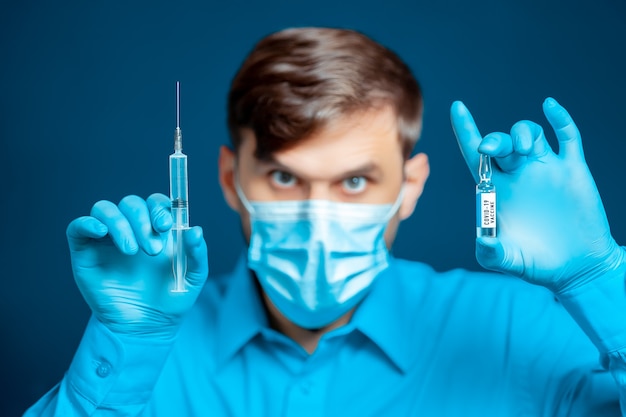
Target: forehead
347,143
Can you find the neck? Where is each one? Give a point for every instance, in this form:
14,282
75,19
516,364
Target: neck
307,338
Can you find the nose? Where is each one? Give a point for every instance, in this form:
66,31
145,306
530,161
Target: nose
319,191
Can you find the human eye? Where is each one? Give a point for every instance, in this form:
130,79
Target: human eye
354,185
283,179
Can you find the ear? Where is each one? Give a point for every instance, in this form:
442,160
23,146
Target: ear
226,166
416,171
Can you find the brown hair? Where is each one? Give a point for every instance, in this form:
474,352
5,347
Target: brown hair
296,80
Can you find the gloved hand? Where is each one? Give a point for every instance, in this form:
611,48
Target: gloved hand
551,225
122,265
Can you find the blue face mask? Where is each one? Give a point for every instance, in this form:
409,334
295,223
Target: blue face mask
316,259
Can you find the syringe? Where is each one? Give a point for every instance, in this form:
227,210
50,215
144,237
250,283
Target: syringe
180,208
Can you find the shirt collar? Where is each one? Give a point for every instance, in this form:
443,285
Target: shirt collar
381,316
386,320
241,315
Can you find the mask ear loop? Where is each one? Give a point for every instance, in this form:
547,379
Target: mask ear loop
396,205
240,194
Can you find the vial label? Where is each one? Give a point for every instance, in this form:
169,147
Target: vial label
486,210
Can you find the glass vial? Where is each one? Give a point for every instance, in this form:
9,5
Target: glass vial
485,200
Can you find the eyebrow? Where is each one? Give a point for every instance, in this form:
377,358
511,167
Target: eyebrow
367,169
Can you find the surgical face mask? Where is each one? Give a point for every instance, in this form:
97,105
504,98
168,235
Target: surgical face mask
316,259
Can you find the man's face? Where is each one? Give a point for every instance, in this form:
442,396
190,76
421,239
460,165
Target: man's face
356,159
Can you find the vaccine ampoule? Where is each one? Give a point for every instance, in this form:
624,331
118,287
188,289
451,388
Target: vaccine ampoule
485,200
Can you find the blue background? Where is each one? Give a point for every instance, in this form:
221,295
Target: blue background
87,113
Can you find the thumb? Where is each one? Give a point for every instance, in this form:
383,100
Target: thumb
82,230
197,258
492,254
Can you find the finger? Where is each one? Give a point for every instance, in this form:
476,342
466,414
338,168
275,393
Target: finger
522,143
501,147
197,258
119,228
83,229
526,132
159,206
496,144
467,135
493,255
135,210
568,135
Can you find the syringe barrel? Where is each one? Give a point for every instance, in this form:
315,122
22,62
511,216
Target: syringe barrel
179,189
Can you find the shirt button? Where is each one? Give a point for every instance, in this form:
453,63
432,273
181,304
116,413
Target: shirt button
104,369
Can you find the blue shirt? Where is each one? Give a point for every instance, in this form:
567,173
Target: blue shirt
421,343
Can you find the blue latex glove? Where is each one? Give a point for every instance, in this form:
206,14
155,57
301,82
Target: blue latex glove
552,228
122,265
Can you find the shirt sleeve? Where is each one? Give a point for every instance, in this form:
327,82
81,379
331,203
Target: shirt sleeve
599,308
110,375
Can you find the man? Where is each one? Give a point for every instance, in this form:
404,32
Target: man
317,318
